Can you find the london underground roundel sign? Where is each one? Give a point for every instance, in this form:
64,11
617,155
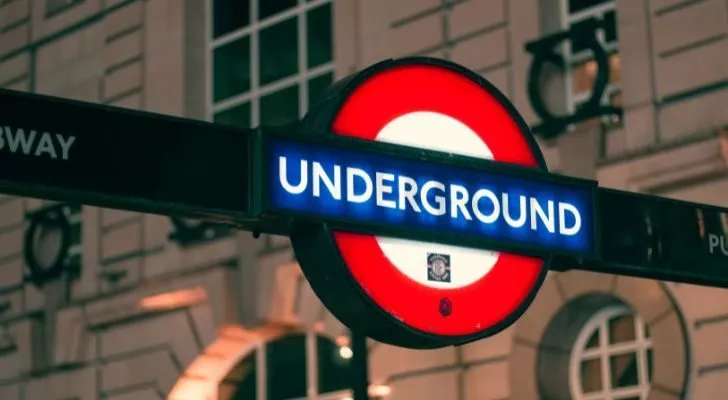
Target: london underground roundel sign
408,293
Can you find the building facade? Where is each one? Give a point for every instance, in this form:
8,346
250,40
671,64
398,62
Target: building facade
148,307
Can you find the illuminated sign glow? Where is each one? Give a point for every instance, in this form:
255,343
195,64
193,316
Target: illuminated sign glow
427,287
335,183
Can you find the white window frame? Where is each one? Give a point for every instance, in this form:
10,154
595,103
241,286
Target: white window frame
640,346
340,395
312,389
568,19
256,91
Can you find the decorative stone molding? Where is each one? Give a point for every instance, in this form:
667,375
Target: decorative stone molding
204,378
561,291
293,302
138,339
680,164
73,384
23,350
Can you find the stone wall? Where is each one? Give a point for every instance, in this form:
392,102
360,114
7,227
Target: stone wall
111,333
672,73
108,333
675,79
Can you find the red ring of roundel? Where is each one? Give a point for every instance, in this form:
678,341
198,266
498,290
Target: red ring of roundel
488,301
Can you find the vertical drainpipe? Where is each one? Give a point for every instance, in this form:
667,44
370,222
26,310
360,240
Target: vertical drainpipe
653,75
261,378
312,390
460,395
446,6
357,37
56,295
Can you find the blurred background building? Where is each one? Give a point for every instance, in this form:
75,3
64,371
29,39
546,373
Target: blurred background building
144,307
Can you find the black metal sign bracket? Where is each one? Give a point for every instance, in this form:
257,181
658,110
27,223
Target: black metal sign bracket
548,50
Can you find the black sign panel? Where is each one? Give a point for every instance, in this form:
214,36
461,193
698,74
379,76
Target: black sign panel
660,238
111,157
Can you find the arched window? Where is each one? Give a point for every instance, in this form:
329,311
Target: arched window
612,357
290,367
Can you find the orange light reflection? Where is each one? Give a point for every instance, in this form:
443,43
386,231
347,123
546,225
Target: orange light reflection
173,300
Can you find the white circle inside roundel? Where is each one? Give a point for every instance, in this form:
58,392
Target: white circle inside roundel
439,132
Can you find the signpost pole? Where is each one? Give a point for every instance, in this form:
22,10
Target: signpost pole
360,367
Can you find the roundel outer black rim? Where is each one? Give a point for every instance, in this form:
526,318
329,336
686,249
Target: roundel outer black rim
319,256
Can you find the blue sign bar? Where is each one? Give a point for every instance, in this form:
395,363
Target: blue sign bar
332,183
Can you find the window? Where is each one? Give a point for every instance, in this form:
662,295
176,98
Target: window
286,374
270,59
55,7
612,357
581,68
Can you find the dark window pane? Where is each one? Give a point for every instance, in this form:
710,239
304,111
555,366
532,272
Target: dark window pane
279,51
593,340
649,365
624,370
591,376
231,69
229,15
286,366
243,378
279,108
238,116
266,8
317,86
610,27
334,370
621,329
319,35
579,42
580,5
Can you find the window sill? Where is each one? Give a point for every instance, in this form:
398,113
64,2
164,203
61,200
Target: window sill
52,11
